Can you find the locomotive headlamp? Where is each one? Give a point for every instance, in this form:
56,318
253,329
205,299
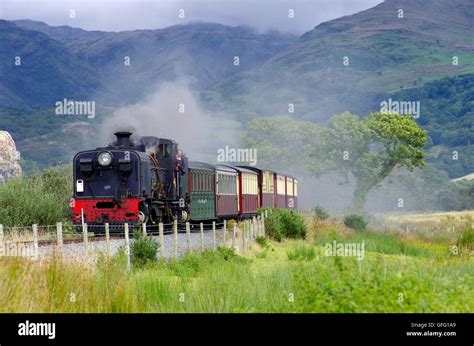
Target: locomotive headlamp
105,158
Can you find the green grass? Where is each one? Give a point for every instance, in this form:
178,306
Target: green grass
302,252
397,274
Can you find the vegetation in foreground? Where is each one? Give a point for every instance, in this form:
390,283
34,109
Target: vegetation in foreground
398,273
40,199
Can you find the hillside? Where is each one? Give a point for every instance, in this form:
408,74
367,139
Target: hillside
202,53
447,113
48,70
385,53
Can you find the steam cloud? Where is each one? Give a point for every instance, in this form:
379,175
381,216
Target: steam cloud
174,112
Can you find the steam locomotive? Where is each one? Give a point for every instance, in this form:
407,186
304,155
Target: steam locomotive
149,180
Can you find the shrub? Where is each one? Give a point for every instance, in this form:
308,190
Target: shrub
355,221
42,199
321,213
285,223
143,249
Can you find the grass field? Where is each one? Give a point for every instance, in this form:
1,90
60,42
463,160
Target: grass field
398,273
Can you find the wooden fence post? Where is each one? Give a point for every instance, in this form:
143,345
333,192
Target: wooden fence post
85,237
254,228
257,227
59,232
225,231
35,241
234,231
243,237
188,236
162,240
1,236
144,229
175,231
127,246
107,239
201,226
214,245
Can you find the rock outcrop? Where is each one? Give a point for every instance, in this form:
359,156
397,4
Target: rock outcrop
9,157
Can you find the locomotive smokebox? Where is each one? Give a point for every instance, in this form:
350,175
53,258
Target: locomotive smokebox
123,139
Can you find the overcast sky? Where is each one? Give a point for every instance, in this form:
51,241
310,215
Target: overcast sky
117,15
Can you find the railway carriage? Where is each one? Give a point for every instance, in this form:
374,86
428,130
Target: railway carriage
227,191
248,191
280,191
290,193
295,193
266,186
202,190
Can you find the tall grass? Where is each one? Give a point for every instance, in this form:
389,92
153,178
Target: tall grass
397,274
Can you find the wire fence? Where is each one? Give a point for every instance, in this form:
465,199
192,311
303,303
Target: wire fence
87,242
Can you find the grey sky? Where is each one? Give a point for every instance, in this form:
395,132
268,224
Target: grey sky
117,15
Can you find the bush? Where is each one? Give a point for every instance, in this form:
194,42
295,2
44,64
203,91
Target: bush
143,249
284,223
42,199
321,213
355,221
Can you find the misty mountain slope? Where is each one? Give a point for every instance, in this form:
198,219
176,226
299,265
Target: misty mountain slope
201,53
48,70
384,53
73,38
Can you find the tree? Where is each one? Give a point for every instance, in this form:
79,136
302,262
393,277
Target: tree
369,149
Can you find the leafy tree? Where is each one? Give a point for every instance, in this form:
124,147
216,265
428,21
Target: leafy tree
369,149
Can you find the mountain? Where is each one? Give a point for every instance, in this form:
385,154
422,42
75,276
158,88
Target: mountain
383,53
47,70
203,53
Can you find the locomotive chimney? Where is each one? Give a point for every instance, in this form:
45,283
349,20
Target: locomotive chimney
123,139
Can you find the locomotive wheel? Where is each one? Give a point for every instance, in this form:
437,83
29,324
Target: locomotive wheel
185,216
142,218
143,214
